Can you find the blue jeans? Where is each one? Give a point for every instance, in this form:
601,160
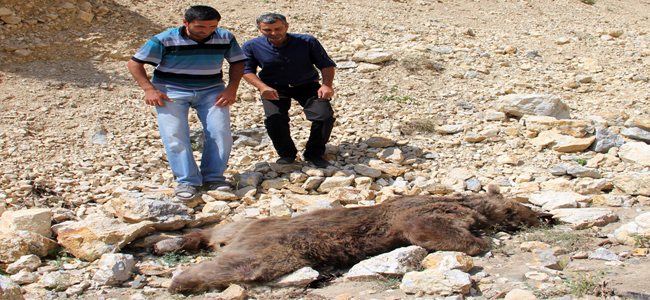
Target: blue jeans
175,134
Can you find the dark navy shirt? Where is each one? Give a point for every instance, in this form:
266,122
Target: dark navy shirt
293,63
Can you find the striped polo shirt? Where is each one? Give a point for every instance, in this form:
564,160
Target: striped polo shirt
184,63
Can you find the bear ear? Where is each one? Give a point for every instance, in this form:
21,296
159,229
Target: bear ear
493,189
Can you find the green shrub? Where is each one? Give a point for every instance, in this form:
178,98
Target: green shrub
580,284
581,161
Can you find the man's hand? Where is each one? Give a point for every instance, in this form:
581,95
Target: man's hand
152,96
227,97
269,93
265,91
155,97
325,92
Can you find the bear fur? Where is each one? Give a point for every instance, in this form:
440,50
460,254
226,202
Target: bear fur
264,249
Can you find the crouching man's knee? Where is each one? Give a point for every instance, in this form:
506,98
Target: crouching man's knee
319,110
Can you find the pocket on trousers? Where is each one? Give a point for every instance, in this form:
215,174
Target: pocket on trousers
317,109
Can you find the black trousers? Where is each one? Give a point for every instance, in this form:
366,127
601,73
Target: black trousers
318,111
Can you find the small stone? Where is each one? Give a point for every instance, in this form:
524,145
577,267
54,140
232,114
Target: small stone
27,263
23,52
636,134
583,218
635,152
606,140
449,129
633,184
518,294
9,290
538,276
591,65
37,220
5,12
217,207
548,259
391,155
436,281
615,32
233,292
603,254
86,16
540,105
346,65
562,41
223,195
114,269
11,19
24,277
372,57
448,260
580,171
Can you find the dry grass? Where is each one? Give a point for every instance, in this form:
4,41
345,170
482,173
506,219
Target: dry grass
415,65
419,126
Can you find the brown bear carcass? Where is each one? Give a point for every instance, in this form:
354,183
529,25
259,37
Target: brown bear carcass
265,249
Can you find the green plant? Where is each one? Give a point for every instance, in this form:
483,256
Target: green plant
588,1
195,146
172,258
55,199
571,240
391,282
580,161
641,241
396,98
580,284
61,258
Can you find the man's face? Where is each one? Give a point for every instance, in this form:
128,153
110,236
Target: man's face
199,30
274,32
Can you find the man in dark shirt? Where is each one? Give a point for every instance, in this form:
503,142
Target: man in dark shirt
287,71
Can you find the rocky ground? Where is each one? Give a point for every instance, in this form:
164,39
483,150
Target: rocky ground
548,99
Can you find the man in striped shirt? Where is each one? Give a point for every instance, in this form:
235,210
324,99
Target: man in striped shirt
188,62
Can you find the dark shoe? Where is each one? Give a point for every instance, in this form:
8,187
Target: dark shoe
185,191
285,160
218,185
317,161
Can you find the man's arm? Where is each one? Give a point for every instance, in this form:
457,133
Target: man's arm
326,91
152,96
228,96
265,91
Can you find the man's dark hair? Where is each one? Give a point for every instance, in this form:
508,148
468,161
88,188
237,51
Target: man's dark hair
270,19
201,13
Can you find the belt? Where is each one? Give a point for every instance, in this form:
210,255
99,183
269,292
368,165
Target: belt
292,85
